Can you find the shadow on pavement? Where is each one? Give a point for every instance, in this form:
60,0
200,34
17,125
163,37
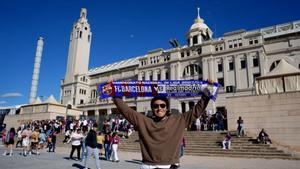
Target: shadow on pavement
135,161
78,166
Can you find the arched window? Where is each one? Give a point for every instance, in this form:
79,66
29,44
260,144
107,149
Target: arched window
274,64
192,70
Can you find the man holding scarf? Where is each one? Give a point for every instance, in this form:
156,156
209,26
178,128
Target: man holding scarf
160,135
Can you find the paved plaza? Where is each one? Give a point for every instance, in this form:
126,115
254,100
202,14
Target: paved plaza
59,160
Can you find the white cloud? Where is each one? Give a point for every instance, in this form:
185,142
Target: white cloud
2,102
7,95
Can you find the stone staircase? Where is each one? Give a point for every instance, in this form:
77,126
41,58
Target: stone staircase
208,143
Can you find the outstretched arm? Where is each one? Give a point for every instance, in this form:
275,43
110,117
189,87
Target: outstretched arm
198,109
131,115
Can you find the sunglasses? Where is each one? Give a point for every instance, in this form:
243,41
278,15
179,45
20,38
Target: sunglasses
155,106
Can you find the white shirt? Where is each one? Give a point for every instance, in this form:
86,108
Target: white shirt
76,138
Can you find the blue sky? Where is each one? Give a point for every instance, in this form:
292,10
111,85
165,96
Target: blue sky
121,29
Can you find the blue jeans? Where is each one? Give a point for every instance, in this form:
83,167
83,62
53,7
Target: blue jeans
107,151
83,153
93,151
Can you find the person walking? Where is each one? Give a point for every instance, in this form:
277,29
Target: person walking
182,146
91,147
76,138
26,134
107,143
9,141
240,127
114,146
35,141
100,142
19,138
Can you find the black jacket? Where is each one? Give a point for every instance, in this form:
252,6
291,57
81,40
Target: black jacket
91,139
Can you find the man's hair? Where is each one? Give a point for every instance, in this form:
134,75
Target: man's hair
95,125
160,98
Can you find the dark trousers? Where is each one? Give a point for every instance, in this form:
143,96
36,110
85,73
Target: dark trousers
78,151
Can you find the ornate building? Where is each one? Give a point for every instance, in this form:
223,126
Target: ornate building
234,60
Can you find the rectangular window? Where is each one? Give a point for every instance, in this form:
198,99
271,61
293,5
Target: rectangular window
187,53
255,62
231,65
230,43
240,42
250,42
255,41
220,67
216,48
167,75
158,77
150,77
199,50
195,40
221,81
235,43
243,64
221,48
182,54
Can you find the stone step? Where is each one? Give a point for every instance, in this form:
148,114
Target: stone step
209,144
219,149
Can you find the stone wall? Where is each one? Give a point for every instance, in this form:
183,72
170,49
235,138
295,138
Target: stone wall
279,114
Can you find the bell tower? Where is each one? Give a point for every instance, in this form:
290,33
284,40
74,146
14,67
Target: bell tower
79,48
75,85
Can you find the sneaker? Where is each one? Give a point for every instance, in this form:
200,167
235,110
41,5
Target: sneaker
224,148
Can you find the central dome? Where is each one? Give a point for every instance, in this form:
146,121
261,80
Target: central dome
199,23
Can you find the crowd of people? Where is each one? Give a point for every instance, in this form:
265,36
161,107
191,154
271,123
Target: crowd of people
32,137
102,143
210,122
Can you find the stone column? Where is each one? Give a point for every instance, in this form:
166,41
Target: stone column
163,74
178,71
263,63
140,75
236,71
109,111
204,68
249,69
199,39
154,74
147,75
187,106
225,70
173,72
211,69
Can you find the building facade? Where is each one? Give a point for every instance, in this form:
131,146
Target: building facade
234,60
